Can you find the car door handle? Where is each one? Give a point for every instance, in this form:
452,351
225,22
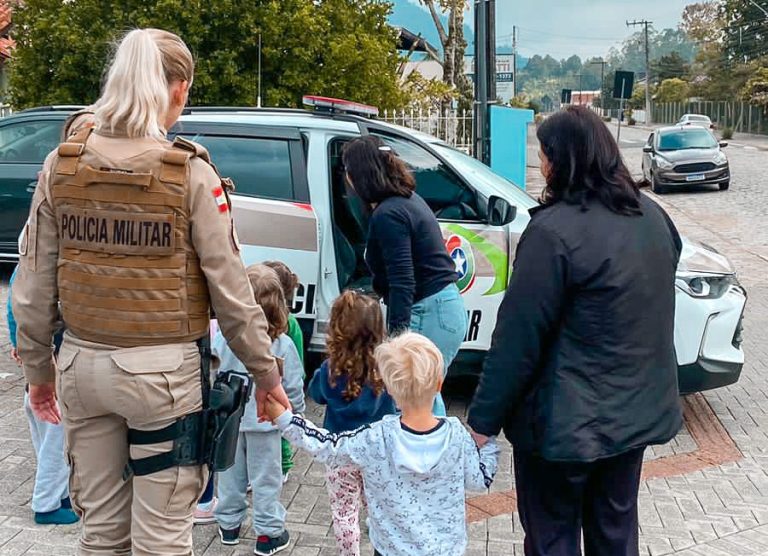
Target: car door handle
31,186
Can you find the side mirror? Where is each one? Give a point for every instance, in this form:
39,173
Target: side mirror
647,149
500,212
723,144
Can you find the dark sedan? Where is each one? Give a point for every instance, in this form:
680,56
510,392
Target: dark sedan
676,157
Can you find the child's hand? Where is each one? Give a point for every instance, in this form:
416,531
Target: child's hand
274,408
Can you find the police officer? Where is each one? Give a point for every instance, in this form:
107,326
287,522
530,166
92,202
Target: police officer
133,236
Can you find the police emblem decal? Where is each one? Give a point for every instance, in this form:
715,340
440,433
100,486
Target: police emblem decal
461,253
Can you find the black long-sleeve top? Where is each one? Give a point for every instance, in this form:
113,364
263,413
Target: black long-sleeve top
407,256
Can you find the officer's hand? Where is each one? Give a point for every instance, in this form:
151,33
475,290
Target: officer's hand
274,408
42,400
279,396
15,356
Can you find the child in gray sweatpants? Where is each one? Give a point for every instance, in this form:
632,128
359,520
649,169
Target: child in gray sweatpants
50,495
258,460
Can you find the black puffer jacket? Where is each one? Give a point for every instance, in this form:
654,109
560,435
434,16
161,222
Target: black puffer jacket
582,364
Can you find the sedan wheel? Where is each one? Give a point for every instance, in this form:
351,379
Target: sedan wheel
725,186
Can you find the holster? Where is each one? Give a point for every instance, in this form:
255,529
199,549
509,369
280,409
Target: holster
207,437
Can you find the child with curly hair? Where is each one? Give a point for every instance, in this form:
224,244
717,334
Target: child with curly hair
348,383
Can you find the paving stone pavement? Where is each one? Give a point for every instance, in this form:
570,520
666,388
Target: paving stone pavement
721,510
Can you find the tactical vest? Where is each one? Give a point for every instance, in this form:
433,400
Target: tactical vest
128,274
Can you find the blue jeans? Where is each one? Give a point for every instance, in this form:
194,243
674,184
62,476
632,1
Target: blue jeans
52,473
441,318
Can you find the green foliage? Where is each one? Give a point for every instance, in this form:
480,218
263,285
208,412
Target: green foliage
669,67
756,90
727,133
672,90
745,29
637,101
427,94
340,48
522,101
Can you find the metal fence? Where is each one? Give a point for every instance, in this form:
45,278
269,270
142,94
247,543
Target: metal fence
739,116
5,110
452,126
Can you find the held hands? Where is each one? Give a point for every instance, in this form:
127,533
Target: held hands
42,400
265,399
480,439
274,408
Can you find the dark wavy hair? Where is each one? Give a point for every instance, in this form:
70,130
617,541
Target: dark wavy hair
585,162
375,170
356,329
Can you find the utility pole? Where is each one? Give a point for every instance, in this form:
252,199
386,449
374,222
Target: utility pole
258,98
602,63
645,24
581,91
514,61
485,76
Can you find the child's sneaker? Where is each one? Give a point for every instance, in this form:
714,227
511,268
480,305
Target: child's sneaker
270,545
62,516
229,536
203,514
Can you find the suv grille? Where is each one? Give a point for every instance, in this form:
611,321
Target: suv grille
697,167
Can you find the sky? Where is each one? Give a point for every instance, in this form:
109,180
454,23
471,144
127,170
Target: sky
584,27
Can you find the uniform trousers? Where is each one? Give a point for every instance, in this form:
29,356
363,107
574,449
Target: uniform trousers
103,391
558,501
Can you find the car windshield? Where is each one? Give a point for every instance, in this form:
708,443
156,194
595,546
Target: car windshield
485,179
687,139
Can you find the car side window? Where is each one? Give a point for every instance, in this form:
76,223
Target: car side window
437,183
29,142
259,167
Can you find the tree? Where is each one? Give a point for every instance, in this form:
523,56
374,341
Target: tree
668,67
672,90
746,30
453,42
701,22
427,95
332,47
756,90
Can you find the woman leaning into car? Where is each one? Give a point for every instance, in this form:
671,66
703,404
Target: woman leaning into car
405,252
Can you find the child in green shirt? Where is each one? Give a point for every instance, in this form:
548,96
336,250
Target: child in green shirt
289,282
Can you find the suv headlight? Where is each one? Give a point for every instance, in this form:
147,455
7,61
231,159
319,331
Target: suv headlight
663,163
705,286
720,158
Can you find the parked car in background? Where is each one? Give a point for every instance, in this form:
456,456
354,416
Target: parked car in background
291,204
678,157
698,120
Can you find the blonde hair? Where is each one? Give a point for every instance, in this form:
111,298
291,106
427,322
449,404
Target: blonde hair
411,367
268,293
136,94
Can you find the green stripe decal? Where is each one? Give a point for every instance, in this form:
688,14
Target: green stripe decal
497,257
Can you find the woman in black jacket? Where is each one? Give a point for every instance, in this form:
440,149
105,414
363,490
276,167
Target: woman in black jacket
405,251
581,373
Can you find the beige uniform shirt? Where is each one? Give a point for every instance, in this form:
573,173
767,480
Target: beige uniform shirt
35,293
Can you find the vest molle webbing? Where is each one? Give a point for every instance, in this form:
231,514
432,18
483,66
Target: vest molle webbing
128,274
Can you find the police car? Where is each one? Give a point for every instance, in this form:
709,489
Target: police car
291,204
